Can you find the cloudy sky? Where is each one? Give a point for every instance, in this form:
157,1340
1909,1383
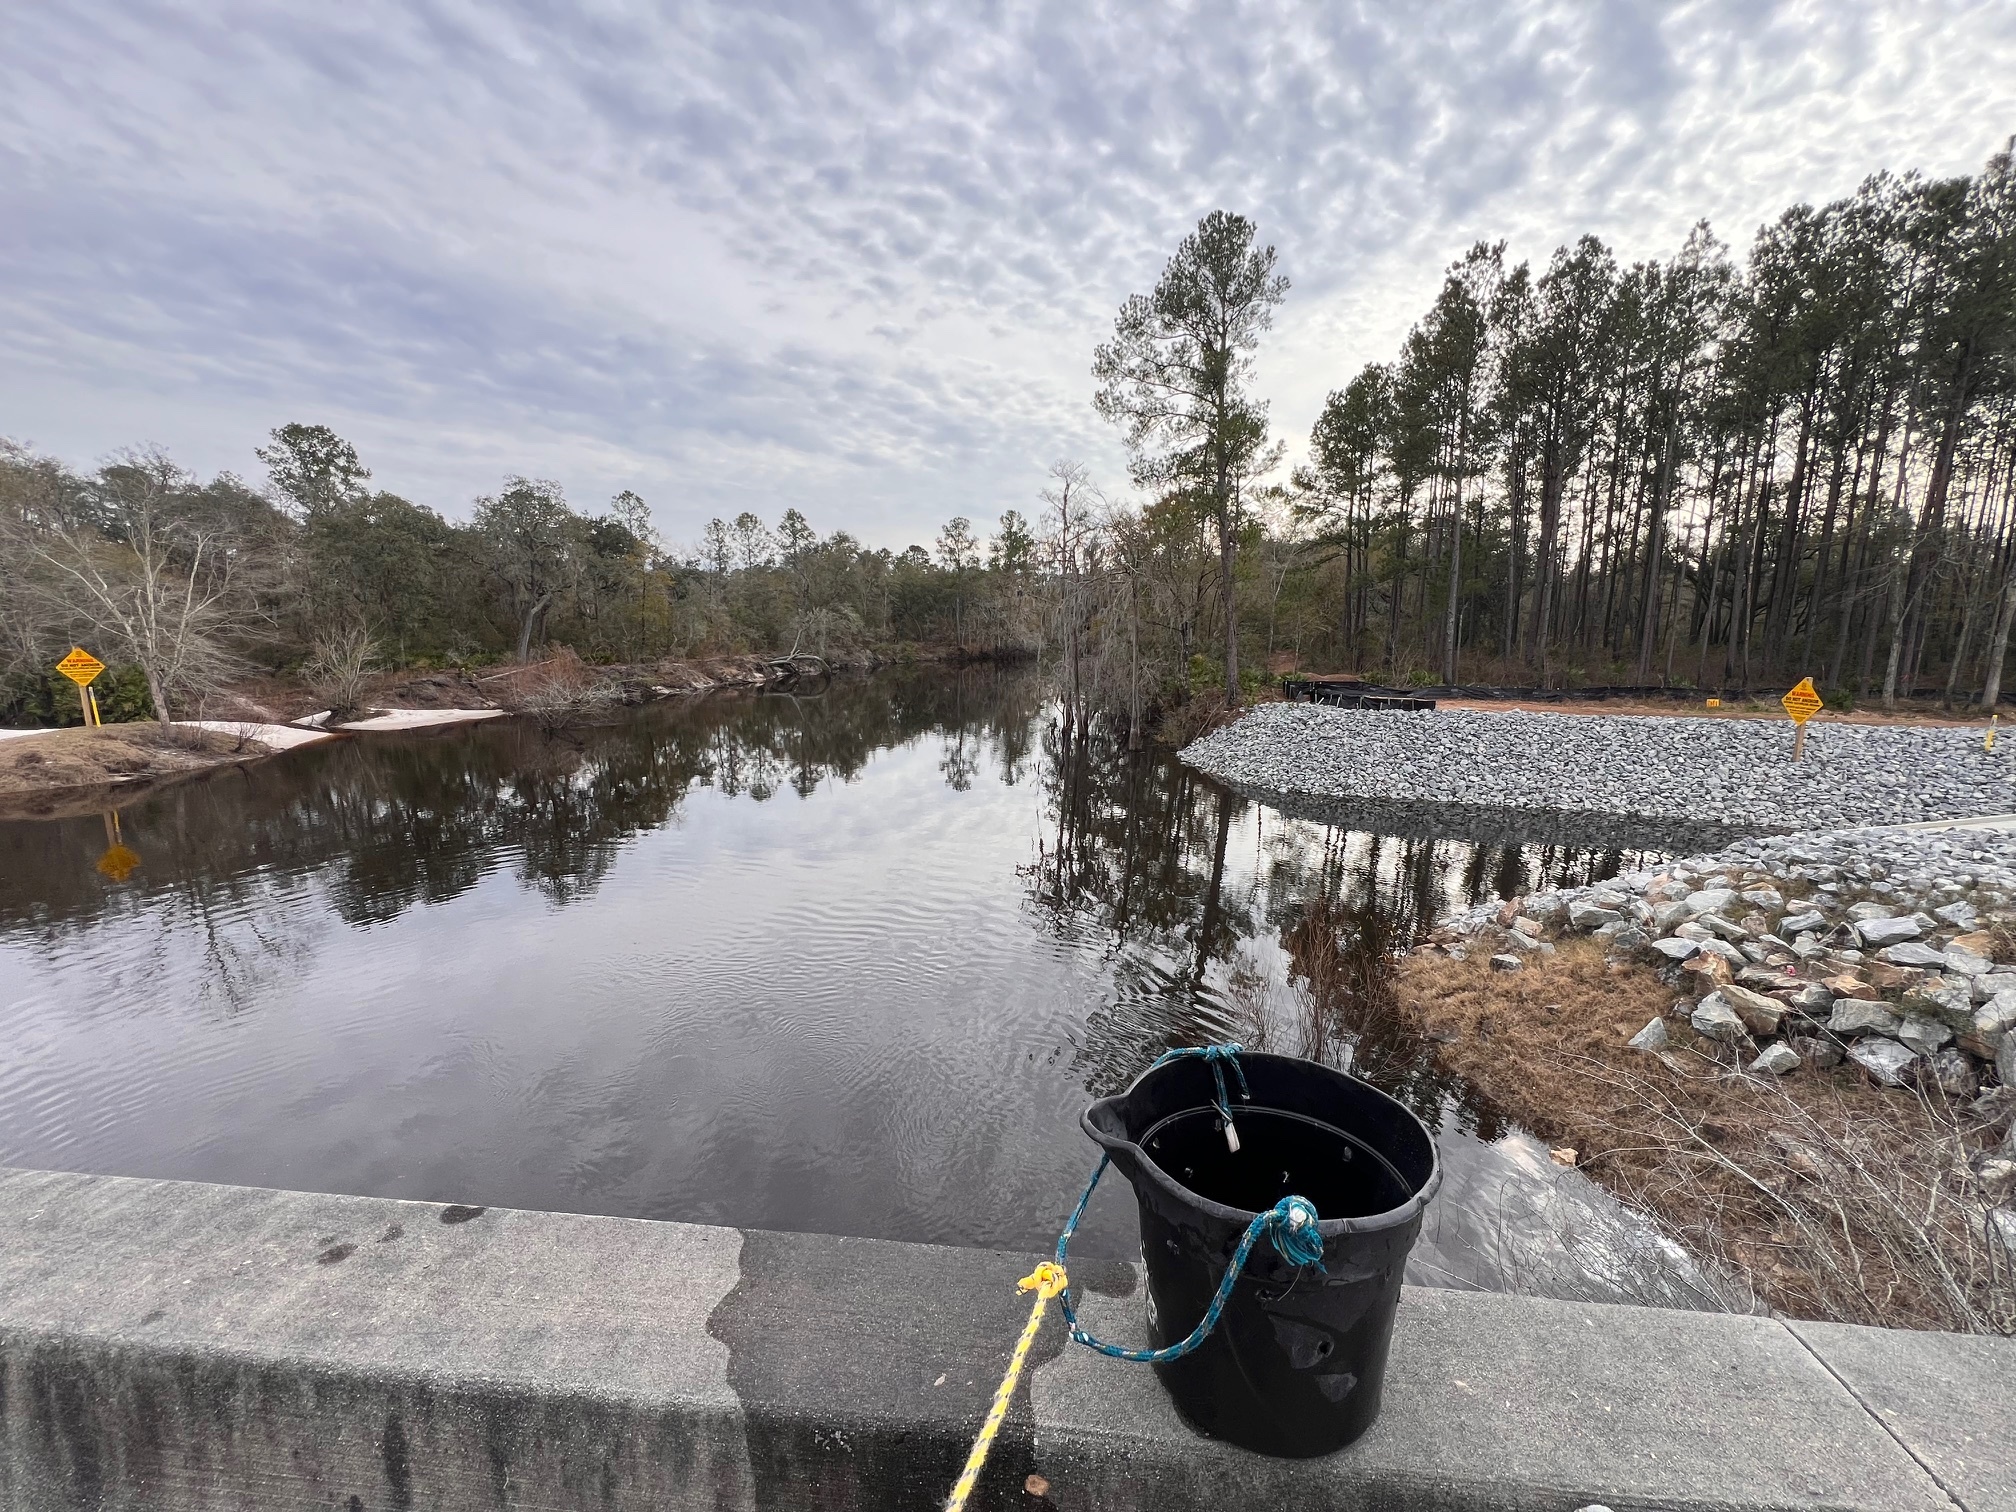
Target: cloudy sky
848,257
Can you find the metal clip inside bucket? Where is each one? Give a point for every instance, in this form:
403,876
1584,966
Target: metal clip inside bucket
1231,1137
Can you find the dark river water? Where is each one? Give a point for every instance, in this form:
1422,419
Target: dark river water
848,963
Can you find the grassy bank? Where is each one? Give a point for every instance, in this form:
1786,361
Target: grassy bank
61,772
1829,1197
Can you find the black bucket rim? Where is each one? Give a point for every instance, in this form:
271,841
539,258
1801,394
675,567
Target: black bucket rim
1330,1228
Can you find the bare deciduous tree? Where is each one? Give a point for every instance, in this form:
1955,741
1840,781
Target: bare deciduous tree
148,586
338,667
1068,512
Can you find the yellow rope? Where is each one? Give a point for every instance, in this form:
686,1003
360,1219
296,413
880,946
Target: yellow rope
1047,1280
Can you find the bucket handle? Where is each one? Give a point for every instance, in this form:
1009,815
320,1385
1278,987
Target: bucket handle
1290,1223
1217,1057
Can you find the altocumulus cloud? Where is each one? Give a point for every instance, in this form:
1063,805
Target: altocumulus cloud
851,257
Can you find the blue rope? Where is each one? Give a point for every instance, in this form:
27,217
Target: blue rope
1290,1224
1217,1057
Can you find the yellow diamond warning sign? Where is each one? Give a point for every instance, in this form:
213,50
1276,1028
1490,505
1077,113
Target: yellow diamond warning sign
80,666
1802,703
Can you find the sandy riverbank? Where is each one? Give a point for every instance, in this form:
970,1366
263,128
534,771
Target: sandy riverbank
52,774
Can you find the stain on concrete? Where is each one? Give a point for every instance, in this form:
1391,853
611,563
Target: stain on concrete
396,1231
66,1430
830,1424
393,1450
498,1421
455,1212
336,1254
154,1315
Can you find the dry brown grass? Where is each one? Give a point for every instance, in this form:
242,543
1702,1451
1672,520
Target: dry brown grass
1830,1198
49,774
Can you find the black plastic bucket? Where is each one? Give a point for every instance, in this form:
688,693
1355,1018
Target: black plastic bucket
1298,1359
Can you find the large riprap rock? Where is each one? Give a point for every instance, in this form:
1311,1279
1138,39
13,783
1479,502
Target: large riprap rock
1875,932
1817,1050
1997,981
1912,954
1960,960
1760,1014
1710,900
1952,1072
1887,1062
1781,971
1859,1016
1994,1019
1778,1058
1948,1001
1923,1035
1716,1020
1652,1038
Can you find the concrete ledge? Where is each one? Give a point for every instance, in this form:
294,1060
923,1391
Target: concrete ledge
168,1345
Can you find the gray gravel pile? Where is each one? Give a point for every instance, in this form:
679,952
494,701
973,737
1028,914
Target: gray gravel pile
1721,771
1892,952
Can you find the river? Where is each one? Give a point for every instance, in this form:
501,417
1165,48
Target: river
849,963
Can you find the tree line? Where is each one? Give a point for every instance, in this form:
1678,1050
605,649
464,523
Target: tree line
186,586
1689,472
1692,472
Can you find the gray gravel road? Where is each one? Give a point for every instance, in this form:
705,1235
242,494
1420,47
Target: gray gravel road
1714,771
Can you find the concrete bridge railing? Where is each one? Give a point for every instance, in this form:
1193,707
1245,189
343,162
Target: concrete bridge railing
170,1346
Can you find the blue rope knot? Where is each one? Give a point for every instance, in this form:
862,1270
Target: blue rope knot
1294,1232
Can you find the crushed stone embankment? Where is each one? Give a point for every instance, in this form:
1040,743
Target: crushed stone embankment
1737,773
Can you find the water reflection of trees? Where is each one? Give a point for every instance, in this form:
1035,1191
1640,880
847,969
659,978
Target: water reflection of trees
384,825
1285,944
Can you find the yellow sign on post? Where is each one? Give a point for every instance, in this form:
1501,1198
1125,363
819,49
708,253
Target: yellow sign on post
80,666
1802,703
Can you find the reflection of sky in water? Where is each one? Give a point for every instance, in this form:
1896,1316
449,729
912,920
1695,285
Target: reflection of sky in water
847,964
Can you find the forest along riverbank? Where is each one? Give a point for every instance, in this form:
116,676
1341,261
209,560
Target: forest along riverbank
58,773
